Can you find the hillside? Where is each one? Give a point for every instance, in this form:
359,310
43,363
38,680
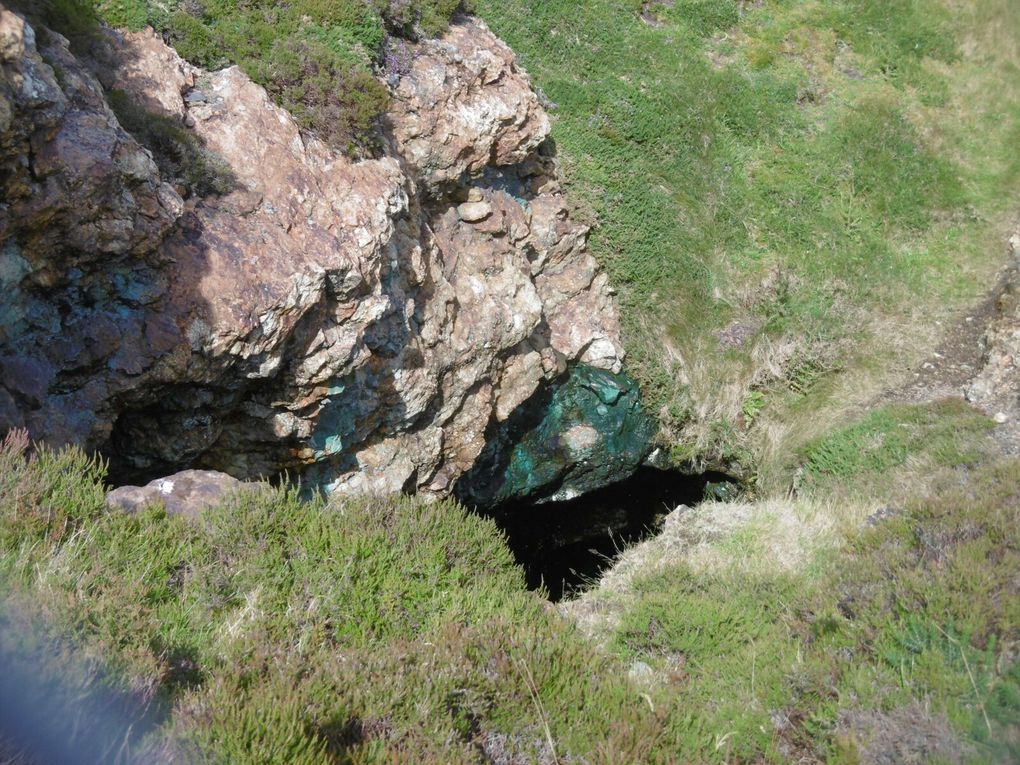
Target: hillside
790,197
518,381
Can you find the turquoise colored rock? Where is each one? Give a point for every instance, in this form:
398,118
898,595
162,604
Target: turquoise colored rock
590,432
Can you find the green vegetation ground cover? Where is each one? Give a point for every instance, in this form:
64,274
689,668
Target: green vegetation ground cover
392,630
828,174
318,58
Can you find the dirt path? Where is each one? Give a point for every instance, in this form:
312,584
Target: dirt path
991,329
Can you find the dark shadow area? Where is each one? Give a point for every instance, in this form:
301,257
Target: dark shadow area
479,486
567,545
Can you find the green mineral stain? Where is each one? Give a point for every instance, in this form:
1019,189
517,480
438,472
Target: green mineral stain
335,424
592,432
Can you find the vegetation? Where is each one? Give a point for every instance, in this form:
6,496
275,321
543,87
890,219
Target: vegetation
863,620
908,631
395,630
945,433
317,58
803,189
782,191
281,631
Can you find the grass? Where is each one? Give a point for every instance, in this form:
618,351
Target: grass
394,630
810,171
947,432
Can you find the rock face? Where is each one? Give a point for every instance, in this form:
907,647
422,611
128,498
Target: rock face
187,493
996,387
363,324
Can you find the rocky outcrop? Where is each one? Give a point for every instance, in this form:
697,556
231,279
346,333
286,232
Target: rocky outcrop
186,493
996,386
363,324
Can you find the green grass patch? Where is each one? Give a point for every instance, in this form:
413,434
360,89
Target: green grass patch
717,145
948,433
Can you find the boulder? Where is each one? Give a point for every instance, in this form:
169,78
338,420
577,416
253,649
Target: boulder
590,432
186,493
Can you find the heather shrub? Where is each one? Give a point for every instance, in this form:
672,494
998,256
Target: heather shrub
317,58
327,93
419,18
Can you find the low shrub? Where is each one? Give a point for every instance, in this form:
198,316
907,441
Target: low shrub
180,155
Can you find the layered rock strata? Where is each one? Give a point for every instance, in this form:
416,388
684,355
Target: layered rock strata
363,324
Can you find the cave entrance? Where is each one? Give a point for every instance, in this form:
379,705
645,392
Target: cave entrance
566,545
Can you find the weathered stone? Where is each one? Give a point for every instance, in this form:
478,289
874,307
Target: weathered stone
187,493
465,105
472,212
360,324
590,433
153,73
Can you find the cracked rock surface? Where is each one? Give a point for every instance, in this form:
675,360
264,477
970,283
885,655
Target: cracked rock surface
360,324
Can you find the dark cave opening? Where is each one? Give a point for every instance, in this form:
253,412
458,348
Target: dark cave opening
565,546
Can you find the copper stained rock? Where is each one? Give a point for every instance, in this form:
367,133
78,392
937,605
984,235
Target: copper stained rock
355,322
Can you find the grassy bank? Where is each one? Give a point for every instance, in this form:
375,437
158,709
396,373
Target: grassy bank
789,195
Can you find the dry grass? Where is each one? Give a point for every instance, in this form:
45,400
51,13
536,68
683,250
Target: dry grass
768,537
